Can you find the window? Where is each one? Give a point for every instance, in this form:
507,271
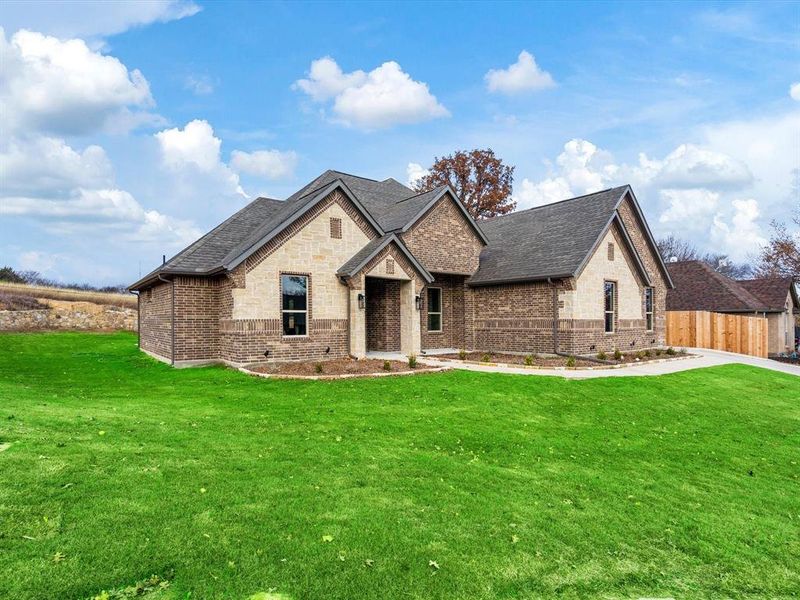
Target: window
648,308
610,295
610,251
336,228
434,309
294,304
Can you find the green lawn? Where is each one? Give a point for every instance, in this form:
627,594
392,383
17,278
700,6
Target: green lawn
686,485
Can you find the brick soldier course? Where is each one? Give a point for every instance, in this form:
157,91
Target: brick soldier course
360,257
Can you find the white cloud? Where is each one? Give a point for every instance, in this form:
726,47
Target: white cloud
522,76
689,166
64,87
200,85
689,209
384,97
541,192
794,91
326,80
47,166
195,150
415,172
92,210
743,234
195,144
269,164
90,19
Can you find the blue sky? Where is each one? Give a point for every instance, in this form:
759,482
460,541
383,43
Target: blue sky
127,129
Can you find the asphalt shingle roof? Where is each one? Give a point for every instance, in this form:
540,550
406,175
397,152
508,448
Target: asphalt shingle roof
547,241
771,291
700,287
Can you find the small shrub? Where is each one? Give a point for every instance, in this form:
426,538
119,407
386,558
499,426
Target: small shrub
659,351
602,355
671,351
412,361
486,357
571,361
648,354
617,354
387,365
639,355
318,368
529,360
682,351
462,354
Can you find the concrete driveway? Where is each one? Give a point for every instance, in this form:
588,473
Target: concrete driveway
704,358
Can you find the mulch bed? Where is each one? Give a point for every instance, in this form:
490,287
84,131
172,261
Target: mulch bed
518,359
631,357
338,366
786,359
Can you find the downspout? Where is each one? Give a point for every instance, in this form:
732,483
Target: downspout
555,315
172,317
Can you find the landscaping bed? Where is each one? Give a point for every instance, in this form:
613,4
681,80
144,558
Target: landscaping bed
338,367
642,356
786,359
517,359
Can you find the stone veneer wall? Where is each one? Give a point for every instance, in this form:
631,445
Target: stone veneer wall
383,314
444,241
69,316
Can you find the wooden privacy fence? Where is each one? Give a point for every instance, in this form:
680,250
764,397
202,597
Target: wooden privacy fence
717,331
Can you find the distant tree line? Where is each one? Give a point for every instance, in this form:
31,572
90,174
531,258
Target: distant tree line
11,275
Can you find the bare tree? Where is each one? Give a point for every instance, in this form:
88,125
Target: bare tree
781,256
674,248
480,180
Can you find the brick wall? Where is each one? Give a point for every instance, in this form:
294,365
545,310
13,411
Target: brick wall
452,334
197,318
246,340
383,314
444,241
155,314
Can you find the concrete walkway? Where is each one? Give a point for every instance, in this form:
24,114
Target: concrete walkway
704,358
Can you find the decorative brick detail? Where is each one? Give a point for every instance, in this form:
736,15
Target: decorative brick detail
390,266
383,314
444,241
336,228
610,250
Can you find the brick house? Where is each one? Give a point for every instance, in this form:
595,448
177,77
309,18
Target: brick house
348,265
700,287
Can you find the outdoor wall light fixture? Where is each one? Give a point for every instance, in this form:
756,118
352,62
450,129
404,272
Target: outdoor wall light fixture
361,301
417,302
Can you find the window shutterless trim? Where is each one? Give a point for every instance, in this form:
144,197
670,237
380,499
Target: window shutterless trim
650,315
306,312
613,311
429,312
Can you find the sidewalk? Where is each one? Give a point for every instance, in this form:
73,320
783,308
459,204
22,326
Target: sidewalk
704,358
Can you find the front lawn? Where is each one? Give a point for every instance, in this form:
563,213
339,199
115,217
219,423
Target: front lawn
114,467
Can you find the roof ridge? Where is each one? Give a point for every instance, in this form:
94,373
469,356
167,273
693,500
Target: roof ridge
742,293
352,175
444,185
524,210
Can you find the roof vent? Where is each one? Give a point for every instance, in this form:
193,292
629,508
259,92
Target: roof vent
672,259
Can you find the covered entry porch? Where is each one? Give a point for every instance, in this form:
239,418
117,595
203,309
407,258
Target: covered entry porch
384,282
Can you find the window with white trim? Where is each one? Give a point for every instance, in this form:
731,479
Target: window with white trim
610,305
649,310
434,309
294,304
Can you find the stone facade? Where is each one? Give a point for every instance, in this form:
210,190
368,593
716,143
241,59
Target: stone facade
65,315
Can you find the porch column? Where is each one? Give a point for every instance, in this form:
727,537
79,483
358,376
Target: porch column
357,319
410,340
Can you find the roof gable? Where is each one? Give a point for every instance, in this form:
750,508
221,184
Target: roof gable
772,291
372,249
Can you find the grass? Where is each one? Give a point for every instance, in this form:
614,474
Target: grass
114,467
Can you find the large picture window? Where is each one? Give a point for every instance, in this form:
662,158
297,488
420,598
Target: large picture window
648,308
294,304
610,300
434,309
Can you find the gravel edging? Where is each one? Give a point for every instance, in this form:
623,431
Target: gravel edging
344,375
545,368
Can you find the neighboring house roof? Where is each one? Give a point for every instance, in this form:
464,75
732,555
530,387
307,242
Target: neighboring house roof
700,287
552,241
387,205
372,249
772,291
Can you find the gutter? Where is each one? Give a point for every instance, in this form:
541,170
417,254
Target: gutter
172,317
